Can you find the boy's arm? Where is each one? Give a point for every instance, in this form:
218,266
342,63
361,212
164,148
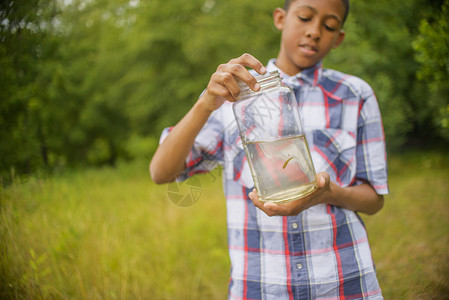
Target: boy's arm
169,159
361,198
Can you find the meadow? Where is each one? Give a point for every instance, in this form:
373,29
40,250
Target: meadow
111,233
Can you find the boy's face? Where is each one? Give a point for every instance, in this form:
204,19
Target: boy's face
310,29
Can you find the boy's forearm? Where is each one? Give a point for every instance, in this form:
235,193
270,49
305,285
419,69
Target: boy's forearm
361,198
169,159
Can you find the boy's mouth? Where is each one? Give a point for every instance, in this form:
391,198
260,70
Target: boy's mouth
308,49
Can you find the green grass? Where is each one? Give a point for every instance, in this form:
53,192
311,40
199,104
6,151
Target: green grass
410,236
113,234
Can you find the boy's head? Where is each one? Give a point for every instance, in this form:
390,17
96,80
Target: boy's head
310,29
345,3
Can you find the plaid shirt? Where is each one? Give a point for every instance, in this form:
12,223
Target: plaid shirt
322,253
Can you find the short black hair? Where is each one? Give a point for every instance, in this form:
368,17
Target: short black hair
345,3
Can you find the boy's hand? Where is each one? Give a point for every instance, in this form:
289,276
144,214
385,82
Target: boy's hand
223,84
296,206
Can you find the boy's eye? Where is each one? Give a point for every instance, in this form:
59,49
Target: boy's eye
304,19
329,28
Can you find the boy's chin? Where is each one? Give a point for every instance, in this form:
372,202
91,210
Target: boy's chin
297,65
301,63
306,64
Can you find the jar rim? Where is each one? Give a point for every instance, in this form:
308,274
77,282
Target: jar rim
266,80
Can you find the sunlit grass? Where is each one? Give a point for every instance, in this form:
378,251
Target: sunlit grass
113,234
410,235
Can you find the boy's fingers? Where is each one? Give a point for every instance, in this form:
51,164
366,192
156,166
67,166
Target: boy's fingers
248,60
219,90
322,179
224,82
224,85
239,72
284,209
237,68
271,209
259,204
253,195
228,81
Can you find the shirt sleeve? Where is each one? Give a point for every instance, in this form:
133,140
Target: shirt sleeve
371,150
207,151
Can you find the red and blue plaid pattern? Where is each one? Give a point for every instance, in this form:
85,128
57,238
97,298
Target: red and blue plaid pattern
322,253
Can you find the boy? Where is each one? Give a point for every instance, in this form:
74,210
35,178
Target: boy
315,247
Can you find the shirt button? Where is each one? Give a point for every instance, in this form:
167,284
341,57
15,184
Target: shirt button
294,225
299,266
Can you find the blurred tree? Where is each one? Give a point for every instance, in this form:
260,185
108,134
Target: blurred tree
432,52
86,86
25,43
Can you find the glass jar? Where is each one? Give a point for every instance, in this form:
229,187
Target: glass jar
274,140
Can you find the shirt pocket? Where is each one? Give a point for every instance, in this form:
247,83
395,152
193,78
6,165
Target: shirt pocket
334,152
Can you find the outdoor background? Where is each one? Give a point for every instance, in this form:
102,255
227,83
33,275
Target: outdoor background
86,88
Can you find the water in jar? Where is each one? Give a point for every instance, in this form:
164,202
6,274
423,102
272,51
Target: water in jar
282,170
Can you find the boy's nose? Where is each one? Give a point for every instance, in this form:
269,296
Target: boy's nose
313,31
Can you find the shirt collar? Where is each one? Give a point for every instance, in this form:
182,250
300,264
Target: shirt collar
309,76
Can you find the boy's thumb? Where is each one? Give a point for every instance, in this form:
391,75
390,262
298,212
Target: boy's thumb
323,179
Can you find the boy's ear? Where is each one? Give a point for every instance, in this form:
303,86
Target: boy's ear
279,18
340,39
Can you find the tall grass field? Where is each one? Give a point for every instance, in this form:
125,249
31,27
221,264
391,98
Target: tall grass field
113,234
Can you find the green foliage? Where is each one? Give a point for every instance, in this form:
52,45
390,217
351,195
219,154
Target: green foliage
95,82
24,44
432,52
